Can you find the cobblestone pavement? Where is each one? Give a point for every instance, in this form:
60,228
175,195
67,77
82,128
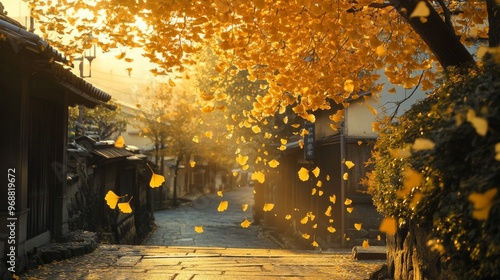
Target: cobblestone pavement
161,262
224,250
220,229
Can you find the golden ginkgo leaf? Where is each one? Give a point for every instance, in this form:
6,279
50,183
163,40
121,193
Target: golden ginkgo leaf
256,129
349,164
388,225
288,217
273,163
171,83
349,86
120,142
316,171
219,193
482,203
313,191
315,244
192,163
357,226
303,174
328,211
412,179
349,209
345,176
421,10
195,139
125,206
320,193
333,198
319,184
423,144
331,229
479,124
306,236
222,206
304,220
112,199
198,229
348,201
121,55
268,207
156,180
241,160
365,244
259,176
244,207
246,223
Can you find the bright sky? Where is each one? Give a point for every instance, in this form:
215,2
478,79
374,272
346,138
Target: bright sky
108,73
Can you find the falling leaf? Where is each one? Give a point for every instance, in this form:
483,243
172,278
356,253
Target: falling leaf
192,163
388,225
306,236
195,139
268,207
288,217
328,177
315,244
349,209
320,193
244,207
256,129
416,199
482,203
120,142
121,55
313,191
348,201
328,211
412,179
399,153
330,221
379,237
315,226
304,220
360,143
357,226
171,83
112,199
333,198
331,229
316,171
303,174
421,10
349,164
198,229
259,176
241,160
273,163
245,224
222,206
423,144
156,180
125,206
345,176
219,193
365,244
319,184
479,124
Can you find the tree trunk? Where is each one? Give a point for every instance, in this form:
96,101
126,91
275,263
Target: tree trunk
441,39
493,23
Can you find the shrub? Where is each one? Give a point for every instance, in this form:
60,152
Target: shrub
451,178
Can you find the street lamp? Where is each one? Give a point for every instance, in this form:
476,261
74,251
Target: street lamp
89,54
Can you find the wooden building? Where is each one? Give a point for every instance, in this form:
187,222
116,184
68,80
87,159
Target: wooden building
36,88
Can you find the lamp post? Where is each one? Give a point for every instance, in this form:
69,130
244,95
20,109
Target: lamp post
89,54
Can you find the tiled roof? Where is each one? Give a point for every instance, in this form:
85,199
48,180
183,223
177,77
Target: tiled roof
112,152
15,37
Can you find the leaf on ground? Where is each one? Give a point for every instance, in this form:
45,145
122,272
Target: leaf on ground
198,229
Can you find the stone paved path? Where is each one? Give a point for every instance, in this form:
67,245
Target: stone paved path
122,262
220,229
224,250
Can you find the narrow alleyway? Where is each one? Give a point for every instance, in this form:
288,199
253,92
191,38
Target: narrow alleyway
224,250
176,227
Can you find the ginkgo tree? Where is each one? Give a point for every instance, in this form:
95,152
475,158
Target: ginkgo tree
311,53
